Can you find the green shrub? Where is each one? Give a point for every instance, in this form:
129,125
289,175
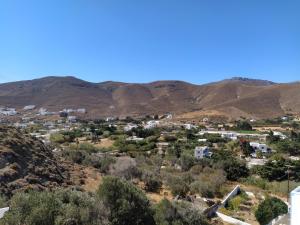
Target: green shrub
57,138
54,208
187,161
209,183
178,186
3,202
152,182
270,209
234,203
180,213
235,169
127,204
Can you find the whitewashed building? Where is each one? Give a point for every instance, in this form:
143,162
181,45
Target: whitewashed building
29,107
260,147
202,152
151,124
129,127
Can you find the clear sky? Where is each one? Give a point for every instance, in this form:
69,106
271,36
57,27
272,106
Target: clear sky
145,40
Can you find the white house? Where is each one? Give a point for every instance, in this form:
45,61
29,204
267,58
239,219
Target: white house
134,138
29,107
129,127
81,110
260,147
8,111
230,135
279,134
151,124
43,111
169,116
189,126
72,119
201,152
202,140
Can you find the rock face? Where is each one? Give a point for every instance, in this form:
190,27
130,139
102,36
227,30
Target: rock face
26,163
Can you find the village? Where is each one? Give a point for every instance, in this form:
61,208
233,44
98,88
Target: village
225,169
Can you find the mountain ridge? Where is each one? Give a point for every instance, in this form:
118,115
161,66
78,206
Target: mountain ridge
233,97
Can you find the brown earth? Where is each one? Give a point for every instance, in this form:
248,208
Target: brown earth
26,163
231,98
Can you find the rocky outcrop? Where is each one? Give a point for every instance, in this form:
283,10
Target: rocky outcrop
26,163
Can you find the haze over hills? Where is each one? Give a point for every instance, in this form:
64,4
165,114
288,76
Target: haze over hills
232,97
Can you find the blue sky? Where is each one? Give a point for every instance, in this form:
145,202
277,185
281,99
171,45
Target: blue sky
145,40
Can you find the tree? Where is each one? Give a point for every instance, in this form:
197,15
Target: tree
152,182
178,186
270,209
64,207
235,169
209,182
246,148
127,204
273,170
180,213
187,161
271,138
243,125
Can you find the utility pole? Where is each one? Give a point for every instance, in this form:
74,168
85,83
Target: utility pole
288,181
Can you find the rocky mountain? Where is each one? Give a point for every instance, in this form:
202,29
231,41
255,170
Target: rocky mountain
25,163
232,98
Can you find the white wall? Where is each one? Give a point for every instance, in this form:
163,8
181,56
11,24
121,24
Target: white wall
295,206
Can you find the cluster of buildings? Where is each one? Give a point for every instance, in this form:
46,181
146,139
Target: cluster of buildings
8,111
41,111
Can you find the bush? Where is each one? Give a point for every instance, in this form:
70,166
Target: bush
125,167
243,125
127,204
270,209
57,138
3,202
178,186
104,163
235,169
258,182
152,182
234,203
187,161
51,208
209,183
167,213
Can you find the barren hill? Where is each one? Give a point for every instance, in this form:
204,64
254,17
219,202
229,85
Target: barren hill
233,97
25,163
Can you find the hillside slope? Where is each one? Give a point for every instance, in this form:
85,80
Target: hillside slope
233,97
25,163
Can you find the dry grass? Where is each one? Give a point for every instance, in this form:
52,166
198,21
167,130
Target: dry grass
105,143
93,180
157,197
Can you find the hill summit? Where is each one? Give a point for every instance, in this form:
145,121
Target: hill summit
235,97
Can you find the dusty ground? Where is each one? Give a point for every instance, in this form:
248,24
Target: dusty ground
157,197
103,143
268,128
93,180
86,177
